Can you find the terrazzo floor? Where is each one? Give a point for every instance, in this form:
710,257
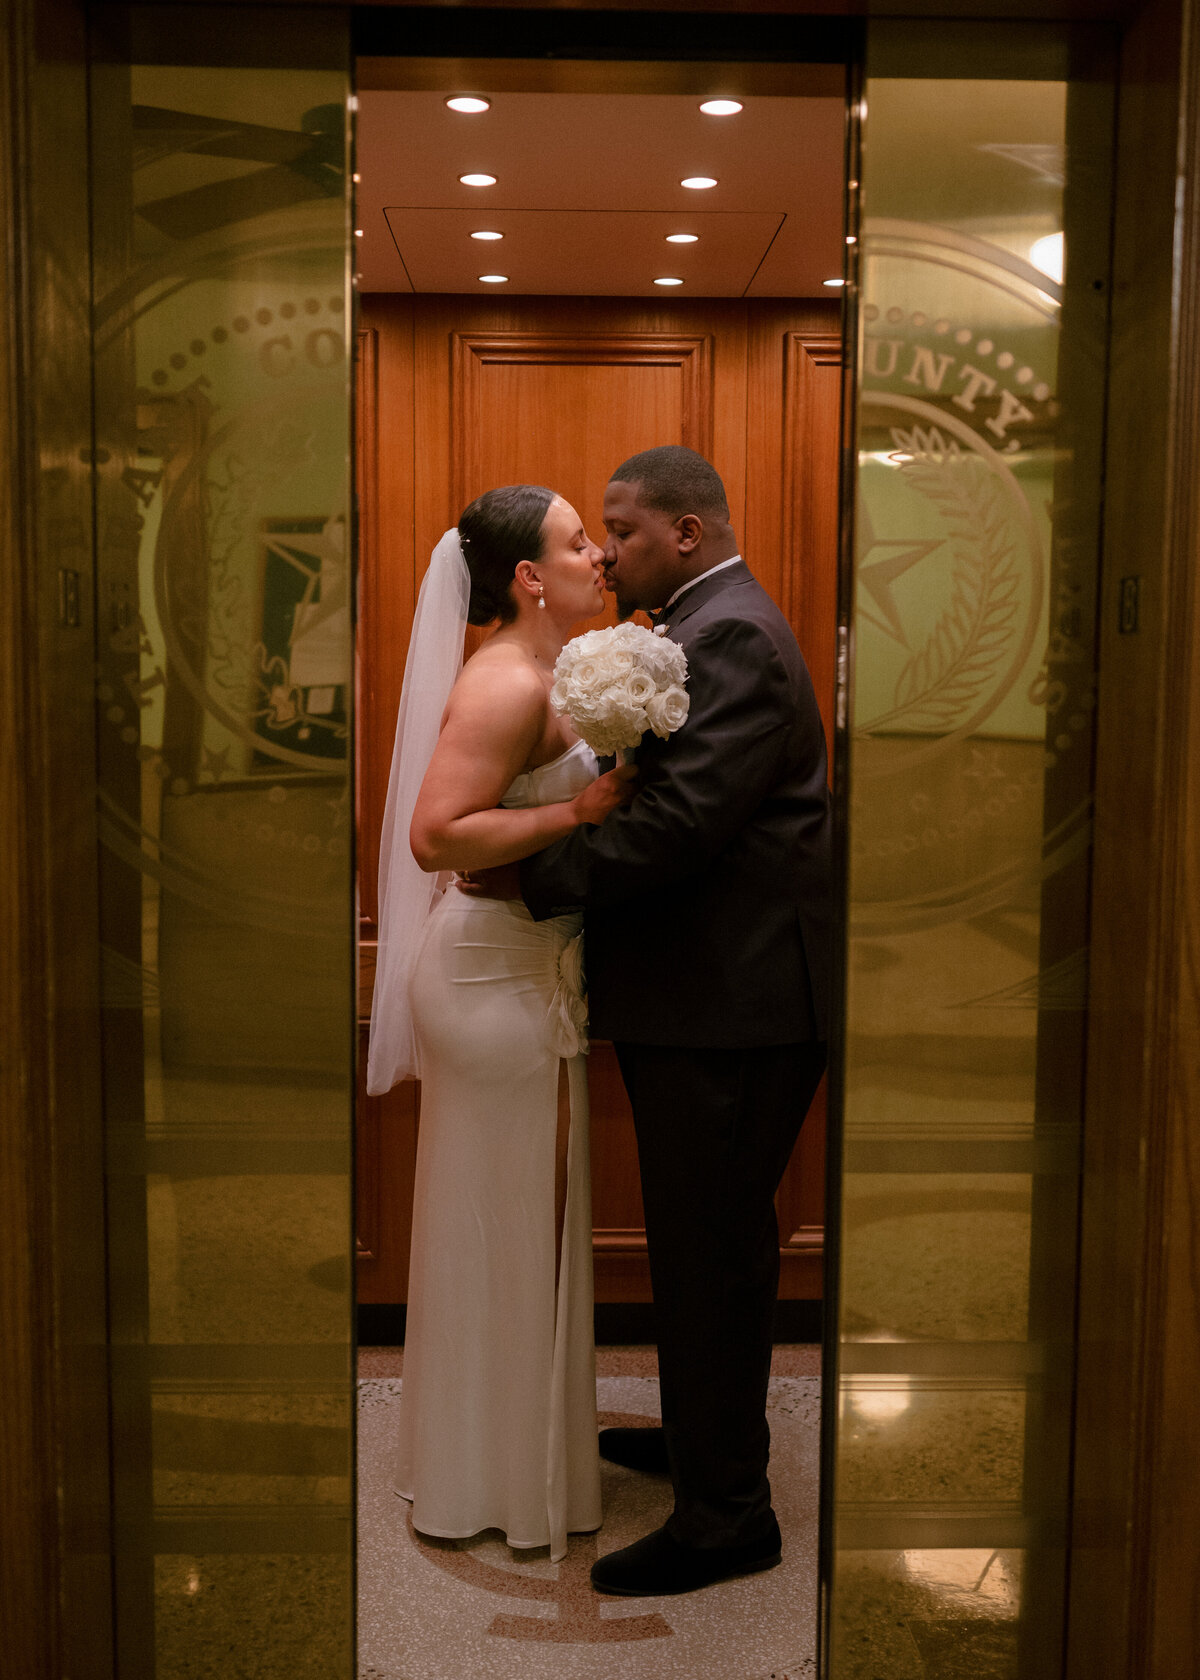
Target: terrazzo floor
443,1610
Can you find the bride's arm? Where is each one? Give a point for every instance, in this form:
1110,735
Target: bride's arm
493,723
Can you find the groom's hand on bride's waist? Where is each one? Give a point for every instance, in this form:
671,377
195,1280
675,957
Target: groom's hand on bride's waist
504,881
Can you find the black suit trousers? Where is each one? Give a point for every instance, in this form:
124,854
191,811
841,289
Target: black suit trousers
715,1129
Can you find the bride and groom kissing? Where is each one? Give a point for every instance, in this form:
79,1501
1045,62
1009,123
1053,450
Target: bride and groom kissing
694,884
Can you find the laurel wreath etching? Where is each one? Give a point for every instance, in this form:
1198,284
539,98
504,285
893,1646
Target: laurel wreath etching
971,636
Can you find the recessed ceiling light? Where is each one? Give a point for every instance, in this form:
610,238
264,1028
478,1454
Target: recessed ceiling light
721,107
851,240
469,102
356,176
478,180
494,279
668,280
833,282
682,238
358,233
484,234
698,181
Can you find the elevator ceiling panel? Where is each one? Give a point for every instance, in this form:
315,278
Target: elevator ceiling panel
587,187
590,252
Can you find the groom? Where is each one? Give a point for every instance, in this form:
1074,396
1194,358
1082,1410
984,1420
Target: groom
707,910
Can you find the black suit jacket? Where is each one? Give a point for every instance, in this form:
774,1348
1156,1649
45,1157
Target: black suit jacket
707,901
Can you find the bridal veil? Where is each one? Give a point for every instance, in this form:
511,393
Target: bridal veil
406,892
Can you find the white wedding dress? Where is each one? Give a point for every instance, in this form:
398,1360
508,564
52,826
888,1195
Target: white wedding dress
498,1409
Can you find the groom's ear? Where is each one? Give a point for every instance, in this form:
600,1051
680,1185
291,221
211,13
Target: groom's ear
691,532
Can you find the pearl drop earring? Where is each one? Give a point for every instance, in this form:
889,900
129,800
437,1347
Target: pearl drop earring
542,598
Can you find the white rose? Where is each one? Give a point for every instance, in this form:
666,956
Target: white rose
667,711
585,672
640,686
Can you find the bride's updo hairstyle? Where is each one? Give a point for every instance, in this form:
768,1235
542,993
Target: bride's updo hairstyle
499,530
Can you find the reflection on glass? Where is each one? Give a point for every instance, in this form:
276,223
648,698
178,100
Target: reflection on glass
223,686
970,717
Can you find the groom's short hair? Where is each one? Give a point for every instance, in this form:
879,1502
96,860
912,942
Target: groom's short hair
676,480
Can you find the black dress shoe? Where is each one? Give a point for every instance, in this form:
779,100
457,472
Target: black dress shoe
636,1449
660,1565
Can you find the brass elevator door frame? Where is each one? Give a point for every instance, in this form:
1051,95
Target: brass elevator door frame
1148,279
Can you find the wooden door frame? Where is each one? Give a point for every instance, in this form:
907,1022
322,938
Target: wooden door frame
28,1583
55,1586
1135,1578
1135,1575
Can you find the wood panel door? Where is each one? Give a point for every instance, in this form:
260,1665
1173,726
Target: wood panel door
458,394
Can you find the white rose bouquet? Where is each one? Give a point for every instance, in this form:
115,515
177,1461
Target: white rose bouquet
615,684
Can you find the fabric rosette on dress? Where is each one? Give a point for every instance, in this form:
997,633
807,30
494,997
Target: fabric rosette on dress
568,1017
614,684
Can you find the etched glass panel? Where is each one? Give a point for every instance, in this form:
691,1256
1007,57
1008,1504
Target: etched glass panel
224,688
982,276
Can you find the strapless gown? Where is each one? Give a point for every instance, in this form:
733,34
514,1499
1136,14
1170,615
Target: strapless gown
498,1407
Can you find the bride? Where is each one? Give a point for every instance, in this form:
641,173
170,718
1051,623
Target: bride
485,1006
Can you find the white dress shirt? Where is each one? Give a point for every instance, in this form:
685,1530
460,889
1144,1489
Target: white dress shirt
692,582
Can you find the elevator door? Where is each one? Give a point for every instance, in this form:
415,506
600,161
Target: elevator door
965,776
224,709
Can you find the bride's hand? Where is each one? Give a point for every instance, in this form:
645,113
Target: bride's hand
608,792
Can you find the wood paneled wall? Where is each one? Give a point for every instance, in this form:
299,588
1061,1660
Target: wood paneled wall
762,413
459,393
